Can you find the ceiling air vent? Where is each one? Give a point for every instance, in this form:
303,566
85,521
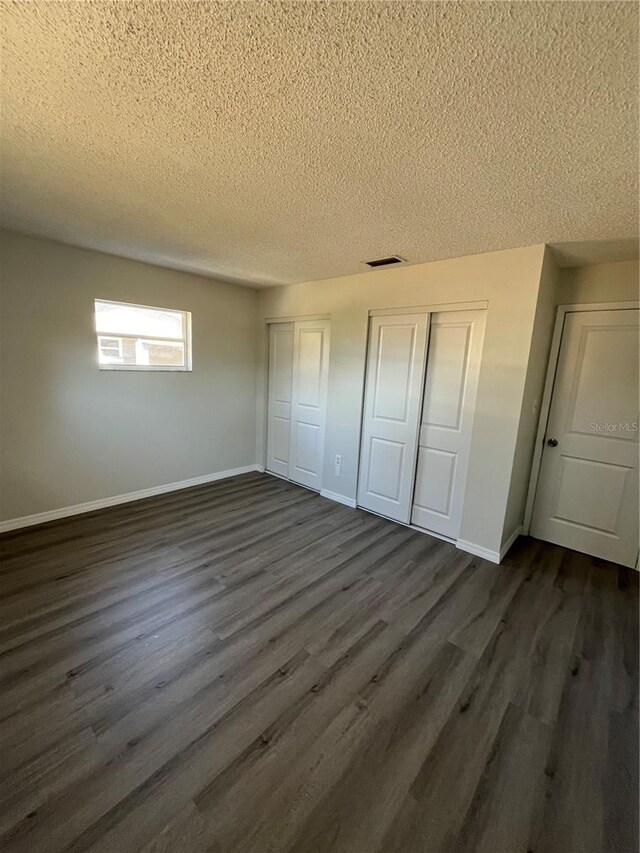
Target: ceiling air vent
385,262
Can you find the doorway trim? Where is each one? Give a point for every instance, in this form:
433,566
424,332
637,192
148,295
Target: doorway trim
547,394
297,318
433,308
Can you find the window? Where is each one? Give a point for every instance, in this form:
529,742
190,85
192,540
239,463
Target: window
110,350
138,337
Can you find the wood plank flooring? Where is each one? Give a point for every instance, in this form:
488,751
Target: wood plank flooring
245,666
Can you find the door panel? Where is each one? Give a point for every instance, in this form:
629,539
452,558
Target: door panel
280,446
309,367
309,401
599,394
395,369
587,495
434,480
279,406
307,447
446,373
385,468
575,478
453,366
391,389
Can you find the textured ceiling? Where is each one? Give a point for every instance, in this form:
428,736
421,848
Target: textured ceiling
281,142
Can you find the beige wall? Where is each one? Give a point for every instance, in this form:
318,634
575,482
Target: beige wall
612,282
532,397
72,433
510,282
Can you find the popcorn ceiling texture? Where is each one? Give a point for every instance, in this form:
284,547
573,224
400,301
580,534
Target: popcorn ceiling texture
279,142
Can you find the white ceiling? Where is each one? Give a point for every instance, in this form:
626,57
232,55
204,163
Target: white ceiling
281,142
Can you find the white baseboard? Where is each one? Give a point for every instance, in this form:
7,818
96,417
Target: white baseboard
340,499
90,506
505,547
478,551
485,553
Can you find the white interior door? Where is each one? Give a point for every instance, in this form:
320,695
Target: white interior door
453,367
395,370
280,389
311,339
587,495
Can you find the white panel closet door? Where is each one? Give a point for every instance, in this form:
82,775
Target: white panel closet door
587,496
453,366
395,369
311,340
279,406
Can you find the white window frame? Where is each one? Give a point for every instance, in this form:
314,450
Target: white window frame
110,338
146,368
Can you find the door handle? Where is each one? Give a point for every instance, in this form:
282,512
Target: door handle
553,442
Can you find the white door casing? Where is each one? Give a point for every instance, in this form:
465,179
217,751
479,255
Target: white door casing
451,383
279,401
587,493
393,392
311,341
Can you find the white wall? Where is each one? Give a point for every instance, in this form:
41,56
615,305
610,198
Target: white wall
510,282
532,396
71,433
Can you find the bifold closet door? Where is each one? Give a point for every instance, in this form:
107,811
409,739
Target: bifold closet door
395,370
279,406
309,401
453,367
297,403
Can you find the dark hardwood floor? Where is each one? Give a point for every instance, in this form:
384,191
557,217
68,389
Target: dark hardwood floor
245,666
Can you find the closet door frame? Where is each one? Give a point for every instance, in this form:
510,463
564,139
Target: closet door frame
433,308
268,321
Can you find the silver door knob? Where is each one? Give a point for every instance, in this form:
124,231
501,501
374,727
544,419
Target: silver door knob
553,442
